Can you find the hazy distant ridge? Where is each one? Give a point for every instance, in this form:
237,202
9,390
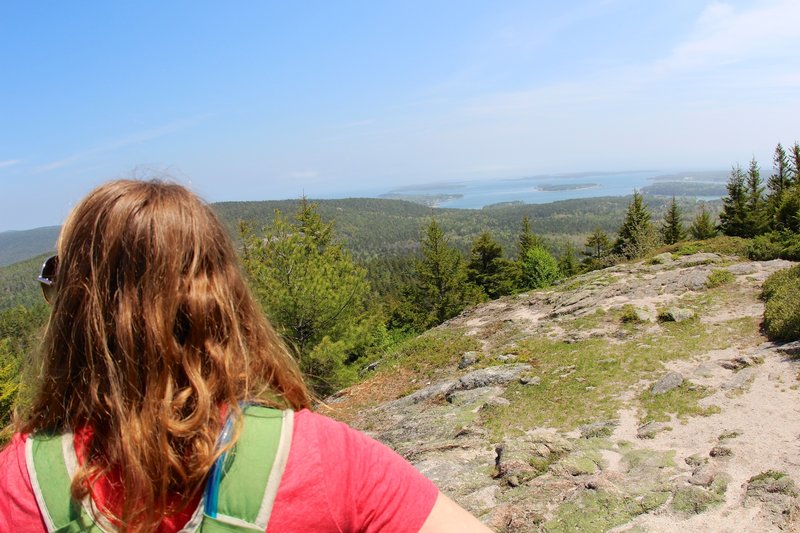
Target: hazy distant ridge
17,246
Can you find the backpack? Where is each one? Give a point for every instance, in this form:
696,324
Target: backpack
246,492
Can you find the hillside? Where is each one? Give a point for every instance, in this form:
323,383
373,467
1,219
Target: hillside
18,285
642,397
376,228
18,246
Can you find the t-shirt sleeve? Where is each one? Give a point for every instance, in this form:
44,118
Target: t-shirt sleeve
370,487
18,508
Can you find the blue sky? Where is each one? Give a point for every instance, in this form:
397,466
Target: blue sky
266,100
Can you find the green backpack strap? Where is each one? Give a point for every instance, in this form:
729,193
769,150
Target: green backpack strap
247,490
253,471
51,463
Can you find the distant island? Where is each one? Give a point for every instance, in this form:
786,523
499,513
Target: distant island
500,205
686,188
716,176
556,187
430,200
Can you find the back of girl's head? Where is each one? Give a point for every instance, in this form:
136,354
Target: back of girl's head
153,330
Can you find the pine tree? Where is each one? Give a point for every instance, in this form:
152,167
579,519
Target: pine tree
440,291
539,269
702,226
486,267
733,218
672,229
527,239
568,264
780,180
794,164
787,217
313,292
597,244
754,223
636,236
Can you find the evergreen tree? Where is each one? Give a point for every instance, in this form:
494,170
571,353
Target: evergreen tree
539,269
598,245
733,218
636,236
527,239
568,264
486,268
313,292
702,226
794,164
441,289
780,180
754,213
672,229
787,217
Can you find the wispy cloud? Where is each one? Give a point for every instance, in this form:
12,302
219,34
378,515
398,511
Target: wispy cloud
134,138
723,35
727,49
9,163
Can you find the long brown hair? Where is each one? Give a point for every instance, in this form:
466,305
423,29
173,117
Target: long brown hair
153,331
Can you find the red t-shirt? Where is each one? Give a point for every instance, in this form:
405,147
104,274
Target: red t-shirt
336,479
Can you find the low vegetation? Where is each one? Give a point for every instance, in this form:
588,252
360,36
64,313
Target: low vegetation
681,403
782,305
583,382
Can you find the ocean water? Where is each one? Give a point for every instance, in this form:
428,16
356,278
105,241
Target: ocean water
475,194
534,190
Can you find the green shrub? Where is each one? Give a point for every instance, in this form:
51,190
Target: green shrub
719,277
539,269
775,245
782,309
764,248
629,314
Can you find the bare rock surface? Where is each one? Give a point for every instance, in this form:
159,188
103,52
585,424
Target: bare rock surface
735,468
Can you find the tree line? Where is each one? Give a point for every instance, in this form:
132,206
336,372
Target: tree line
768,212
339,314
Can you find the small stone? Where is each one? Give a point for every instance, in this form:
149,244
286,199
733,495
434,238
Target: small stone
720,451
660,259
696,460
506,357
702,477
643,315
651,429
790,348
741,380
468,359
530,380
670,381
496,402
603,428
495,375
513,481
676,314
737,363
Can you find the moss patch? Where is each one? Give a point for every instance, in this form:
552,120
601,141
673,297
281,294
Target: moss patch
601,511
602,371
719,277
682,402
694,500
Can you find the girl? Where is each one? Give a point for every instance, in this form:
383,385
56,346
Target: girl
166,402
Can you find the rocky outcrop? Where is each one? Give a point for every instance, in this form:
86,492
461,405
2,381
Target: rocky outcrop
463,426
